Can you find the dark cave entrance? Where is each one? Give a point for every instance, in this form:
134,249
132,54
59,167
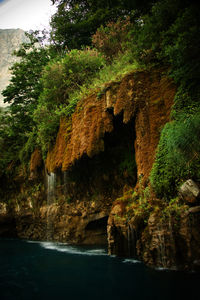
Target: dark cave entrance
105,175
100,224
96,231
101,179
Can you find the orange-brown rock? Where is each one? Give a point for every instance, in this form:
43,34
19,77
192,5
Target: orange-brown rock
56,155
145,96
36,160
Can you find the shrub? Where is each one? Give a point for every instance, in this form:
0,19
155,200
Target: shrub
47,121
61,80
178,155
62,77
110,40
28,147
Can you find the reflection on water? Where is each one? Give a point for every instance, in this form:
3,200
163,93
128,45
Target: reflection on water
38,270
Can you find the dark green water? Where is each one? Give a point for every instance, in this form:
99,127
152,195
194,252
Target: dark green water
30,270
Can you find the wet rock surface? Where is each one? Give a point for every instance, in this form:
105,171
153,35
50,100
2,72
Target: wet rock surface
77,223
189,191
163,240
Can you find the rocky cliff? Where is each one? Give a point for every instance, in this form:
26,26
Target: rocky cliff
10,40
93,186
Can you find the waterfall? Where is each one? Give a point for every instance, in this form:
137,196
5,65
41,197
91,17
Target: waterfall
132,239
51,184
161,248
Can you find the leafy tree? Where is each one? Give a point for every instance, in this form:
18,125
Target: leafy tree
24,88
76,21
170,35
111,39
22,94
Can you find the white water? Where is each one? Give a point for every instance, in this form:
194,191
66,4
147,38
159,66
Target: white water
71,250
132,261
51,184
132,239
162,248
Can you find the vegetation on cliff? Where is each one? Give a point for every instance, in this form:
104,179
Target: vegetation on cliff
93,42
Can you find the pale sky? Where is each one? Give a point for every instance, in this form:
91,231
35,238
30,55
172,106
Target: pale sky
25,14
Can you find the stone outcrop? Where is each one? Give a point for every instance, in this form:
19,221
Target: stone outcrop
163,235
10,40
145,97
77,223
36,163
189,191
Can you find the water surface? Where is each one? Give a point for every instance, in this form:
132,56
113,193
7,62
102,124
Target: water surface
34,270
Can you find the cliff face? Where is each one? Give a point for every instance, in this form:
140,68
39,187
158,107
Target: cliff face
143,99
10,40
94,187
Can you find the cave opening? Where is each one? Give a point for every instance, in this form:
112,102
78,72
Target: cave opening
99,224
96,231
104,175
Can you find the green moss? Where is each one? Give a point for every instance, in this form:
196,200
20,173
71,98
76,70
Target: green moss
178,155
136,204
174,209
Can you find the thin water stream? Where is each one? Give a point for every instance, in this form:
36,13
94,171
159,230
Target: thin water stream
51,184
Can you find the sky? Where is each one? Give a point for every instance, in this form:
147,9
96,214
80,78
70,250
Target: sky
25,14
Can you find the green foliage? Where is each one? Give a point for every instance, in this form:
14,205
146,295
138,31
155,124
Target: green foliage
28,147
174,209
16,123
76,21
110,40
25,87
47,121
170,35
4,140
61,80
120,66
181,47
178,155
185,103
138,204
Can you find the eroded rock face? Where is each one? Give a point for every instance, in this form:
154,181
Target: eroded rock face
145,97
36,163
167,240
124,231
76,223
157,246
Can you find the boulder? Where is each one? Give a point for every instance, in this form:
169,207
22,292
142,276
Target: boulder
189,191
193,210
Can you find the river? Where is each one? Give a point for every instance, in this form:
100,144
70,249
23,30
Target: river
45,270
